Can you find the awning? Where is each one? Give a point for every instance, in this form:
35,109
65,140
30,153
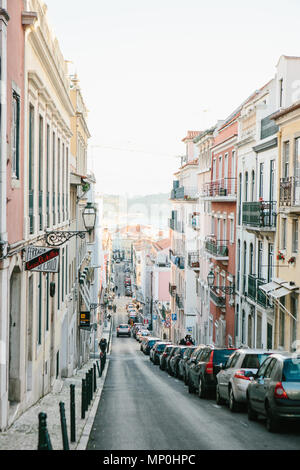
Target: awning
281,292
269,287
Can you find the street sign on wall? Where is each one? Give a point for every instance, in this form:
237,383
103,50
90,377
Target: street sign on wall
42,259
85,319
168,321
174,316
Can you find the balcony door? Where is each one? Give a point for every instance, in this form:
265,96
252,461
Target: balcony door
272,179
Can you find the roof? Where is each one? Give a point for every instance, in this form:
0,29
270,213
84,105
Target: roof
291,108
191,135
162,244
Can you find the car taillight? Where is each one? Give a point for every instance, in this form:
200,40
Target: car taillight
240,374
165,354
209,366
279,391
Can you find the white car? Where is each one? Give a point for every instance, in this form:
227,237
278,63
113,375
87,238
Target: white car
235,376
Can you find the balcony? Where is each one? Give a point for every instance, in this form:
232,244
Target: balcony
177,260
193,260
256,294
218,300
223,189
179,301
259,216
218,249
268,128
183,193
290,193
194,221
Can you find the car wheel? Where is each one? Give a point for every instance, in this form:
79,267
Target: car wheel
201,388
252,416
233,406
219,399
272,423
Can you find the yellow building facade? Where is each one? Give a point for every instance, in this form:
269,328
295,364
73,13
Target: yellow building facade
287,268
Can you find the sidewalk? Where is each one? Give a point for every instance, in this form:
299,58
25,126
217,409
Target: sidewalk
23,434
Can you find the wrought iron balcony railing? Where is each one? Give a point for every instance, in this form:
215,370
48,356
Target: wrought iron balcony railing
260,214
217,248
256,294
172,289
184,193
290,191
179,301
224,187
194,259
218,300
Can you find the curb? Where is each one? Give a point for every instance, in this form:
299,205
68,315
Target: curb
84,438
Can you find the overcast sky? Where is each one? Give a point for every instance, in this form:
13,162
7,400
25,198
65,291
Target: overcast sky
152,69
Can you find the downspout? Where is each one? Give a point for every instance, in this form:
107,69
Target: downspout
279,142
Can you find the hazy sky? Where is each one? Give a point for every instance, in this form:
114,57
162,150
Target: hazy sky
152,69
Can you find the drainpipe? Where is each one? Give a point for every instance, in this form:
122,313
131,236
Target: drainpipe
279,141
4,317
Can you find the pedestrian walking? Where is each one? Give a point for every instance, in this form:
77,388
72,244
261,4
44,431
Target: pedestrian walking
103,347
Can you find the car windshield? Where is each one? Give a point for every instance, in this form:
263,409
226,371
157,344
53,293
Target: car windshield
160,347
221,355
254,361
291,370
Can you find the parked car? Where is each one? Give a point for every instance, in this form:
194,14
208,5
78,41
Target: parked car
274,391
123,330
182,361
148,344
164,356
135,328
141,334
157,350
234,376
191,360
174,360
172,352
204,369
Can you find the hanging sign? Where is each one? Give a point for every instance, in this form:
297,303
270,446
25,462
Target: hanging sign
42,259
85,318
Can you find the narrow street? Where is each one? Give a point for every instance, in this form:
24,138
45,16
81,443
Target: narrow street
143,408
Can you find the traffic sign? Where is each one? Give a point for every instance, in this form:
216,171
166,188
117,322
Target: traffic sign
174,316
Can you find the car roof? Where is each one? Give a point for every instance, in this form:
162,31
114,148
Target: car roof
258,351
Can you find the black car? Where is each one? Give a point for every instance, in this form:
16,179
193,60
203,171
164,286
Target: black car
172,352
174,360
204,369
164,356
190,360
182,361
157,351
274,391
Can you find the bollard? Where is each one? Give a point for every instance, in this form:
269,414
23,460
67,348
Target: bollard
99,370
87,381
83,398
92,383
95,378
72,413
63,423
44,442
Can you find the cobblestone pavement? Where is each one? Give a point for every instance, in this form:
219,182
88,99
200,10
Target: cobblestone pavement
23,434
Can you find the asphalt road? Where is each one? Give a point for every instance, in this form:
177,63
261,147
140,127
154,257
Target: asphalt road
143,408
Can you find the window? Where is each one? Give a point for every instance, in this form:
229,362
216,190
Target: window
263,367
40,309
251,259
280,92
261,180
31,170
260,259
295,236
283,233
240,198
269,369
233,164
246,186
41,169
296,160
16,136
270,261
282,323
53,177
231,230
285,159
237,321
272,179
252,185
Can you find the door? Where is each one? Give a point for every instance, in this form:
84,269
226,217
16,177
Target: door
263,385
269,336
225,375
254,389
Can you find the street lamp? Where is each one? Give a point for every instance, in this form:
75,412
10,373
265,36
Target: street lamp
59,237
210,279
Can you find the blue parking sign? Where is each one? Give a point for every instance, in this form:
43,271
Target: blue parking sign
174,316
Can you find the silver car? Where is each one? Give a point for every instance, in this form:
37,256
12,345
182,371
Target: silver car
235,376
